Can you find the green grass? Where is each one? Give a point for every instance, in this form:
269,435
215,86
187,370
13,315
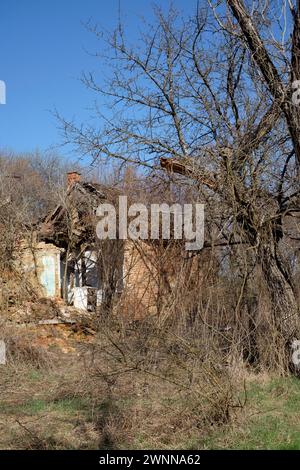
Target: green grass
64,406
35,406
271,419
40,407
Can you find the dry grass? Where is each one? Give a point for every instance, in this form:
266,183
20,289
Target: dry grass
135,386
132,388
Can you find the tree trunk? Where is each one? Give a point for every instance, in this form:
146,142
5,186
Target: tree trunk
280,287
285,311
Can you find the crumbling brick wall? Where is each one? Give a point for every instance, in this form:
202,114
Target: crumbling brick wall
40,264
140,280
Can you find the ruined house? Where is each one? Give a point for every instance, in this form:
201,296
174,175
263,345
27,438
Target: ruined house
66,260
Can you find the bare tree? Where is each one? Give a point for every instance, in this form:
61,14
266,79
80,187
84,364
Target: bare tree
208,99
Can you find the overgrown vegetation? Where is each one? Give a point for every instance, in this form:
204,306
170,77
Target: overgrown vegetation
210,365
134,389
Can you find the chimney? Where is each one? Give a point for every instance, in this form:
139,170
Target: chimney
73,177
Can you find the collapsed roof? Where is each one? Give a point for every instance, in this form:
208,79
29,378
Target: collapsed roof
74,219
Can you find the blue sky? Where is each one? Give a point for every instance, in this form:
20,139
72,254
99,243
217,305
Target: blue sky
43,46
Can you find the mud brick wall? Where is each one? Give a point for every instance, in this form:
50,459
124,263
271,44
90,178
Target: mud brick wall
140,279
